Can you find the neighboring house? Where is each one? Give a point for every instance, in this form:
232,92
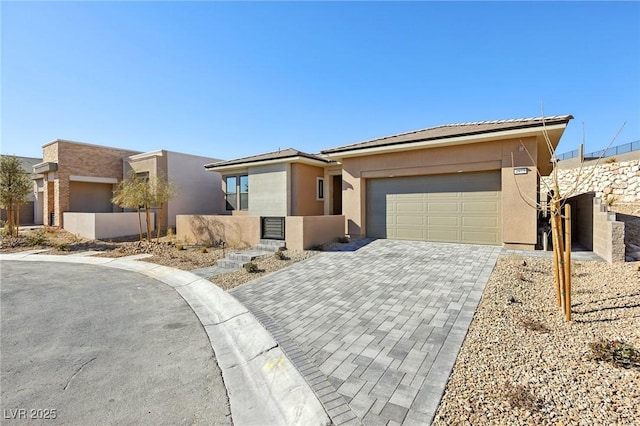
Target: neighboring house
197,191
466,183
29,211
80,177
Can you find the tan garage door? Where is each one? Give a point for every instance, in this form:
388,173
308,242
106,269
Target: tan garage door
461,207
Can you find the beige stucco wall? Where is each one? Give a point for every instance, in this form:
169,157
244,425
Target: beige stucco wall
236,231
303,190
80,160
608,234
304,232
269,190
199,191
105,225
519,219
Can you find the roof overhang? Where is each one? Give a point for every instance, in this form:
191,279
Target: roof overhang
555,129
45,167
244,165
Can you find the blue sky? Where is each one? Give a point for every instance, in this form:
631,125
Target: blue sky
227,80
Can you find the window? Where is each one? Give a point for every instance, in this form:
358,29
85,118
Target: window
231,194
237,192
244,192
319,189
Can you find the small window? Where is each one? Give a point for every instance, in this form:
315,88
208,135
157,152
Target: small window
320,189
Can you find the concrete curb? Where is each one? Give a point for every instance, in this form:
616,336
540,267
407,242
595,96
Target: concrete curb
264,387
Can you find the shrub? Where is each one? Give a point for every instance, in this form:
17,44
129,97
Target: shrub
610,160
318,247
534,325
520,396
179,247
616,352
343,240
37,238
204,250
251,267
280,255
63,246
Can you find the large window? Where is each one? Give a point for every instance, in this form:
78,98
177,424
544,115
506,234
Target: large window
237,192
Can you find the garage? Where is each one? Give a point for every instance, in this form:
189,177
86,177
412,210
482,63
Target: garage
458,207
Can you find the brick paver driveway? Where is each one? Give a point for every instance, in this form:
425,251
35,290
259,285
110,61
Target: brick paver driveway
375,331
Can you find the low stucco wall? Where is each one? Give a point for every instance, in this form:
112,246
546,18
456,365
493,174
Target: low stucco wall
236,231
304,232
105,225
608,234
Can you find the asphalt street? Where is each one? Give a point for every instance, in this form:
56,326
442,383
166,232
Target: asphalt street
84,344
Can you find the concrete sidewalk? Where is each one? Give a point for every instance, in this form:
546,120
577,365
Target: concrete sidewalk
264,387
376,331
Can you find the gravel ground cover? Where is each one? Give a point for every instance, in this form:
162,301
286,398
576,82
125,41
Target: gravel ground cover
266,264
522,364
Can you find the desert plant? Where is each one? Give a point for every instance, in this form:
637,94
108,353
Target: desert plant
203,250
520,396
610,200
616,352
610,160
251,267
62,246
534,325
179,247
37,238
280,255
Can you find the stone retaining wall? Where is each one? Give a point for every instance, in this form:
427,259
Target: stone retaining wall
620,181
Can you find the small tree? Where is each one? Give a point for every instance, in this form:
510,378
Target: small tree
560,222
141,192
162,190
15,186
129,195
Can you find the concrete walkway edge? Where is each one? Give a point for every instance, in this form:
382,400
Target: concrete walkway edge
264,386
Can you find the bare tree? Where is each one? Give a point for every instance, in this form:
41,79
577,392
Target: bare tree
560,223
15,186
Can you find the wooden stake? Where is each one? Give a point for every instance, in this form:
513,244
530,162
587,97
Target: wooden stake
559,248
567,262
554,241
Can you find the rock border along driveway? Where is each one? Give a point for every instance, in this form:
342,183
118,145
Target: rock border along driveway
376,331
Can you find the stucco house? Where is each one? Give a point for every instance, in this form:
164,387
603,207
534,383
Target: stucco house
466,182
76,177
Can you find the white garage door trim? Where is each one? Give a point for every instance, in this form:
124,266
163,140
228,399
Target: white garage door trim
461,208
